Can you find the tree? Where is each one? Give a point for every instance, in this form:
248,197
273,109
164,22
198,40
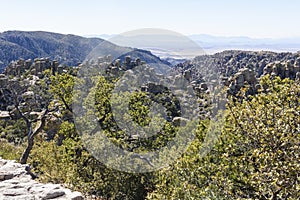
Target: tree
62,89
30,102
255,157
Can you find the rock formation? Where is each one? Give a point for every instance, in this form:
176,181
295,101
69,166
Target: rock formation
16,183
36,67
238,68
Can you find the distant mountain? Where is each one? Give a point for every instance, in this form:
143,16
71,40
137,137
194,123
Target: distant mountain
103,36
165,44
67,49
213,44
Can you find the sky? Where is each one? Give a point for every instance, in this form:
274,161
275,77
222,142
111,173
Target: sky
252,18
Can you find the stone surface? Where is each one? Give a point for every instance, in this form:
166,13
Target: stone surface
4,115
17,184
180,121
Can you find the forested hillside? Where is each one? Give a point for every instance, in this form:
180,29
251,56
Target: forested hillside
254,153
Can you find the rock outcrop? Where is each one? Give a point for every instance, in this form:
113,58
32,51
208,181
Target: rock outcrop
237,69
36,67
16,183
243,77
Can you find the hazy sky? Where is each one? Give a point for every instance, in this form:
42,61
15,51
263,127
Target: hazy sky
254,18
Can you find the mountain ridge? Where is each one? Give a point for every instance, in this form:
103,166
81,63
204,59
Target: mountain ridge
67,49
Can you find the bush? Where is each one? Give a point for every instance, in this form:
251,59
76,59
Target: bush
71,164
10,151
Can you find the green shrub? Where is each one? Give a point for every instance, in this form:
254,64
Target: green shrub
10,151
71,164
256,156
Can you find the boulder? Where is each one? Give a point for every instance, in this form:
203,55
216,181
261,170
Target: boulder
268,69
179,121
3,80
239,79
225,81
298,76
258,87
137,61
118,63
203,86
4,115
187,75
127,60
115,70
28,63
155,88
28,95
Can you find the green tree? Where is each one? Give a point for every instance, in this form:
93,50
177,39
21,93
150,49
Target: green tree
255,157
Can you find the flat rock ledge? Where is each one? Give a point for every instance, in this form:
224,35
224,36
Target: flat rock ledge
16,183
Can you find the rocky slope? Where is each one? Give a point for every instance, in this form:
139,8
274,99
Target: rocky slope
238,68
235,69
16,183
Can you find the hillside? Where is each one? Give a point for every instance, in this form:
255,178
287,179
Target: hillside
254,156
66,49
230,62
69,49
236,68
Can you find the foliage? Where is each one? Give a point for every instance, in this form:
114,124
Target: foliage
62,88
10,151
138,115
12,131
72,165
256,156
66,160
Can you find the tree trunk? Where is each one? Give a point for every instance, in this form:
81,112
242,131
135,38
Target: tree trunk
31,134
26,153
